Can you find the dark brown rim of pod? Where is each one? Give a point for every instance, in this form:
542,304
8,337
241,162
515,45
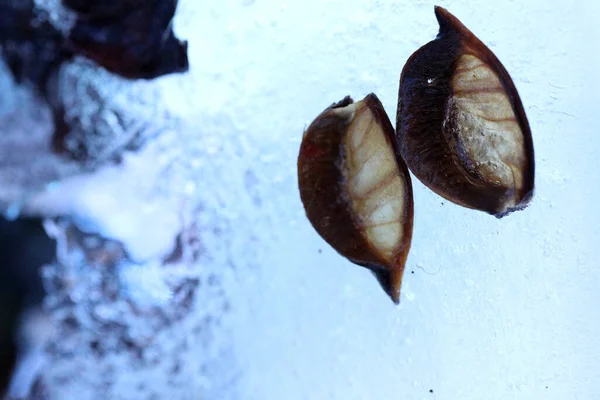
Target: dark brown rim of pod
326,197
442,55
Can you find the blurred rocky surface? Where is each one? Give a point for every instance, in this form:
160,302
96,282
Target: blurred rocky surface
139,294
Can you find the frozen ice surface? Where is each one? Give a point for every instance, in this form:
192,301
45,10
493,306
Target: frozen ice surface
499,309
257,306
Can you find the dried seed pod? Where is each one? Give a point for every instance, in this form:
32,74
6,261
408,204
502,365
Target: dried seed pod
356,189
461,125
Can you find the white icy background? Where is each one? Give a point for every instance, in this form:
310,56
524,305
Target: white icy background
495,309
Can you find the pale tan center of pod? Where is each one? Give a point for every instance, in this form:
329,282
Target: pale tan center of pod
487,127
373,182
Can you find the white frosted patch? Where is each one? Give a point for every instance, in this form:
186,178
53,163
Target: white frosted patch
369,160
385,237
388,211
374,171
495,148
369,145
382,215
356,137
118,205
374,183
393,190
359,132
486,123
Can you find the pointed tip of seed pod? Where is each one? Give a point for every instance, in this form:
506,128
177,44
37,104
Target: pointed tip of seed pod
390,281
443,18
447,21
439,11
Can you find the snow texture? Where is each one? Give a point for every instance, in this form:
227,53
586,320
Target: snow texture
495,309
240,298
